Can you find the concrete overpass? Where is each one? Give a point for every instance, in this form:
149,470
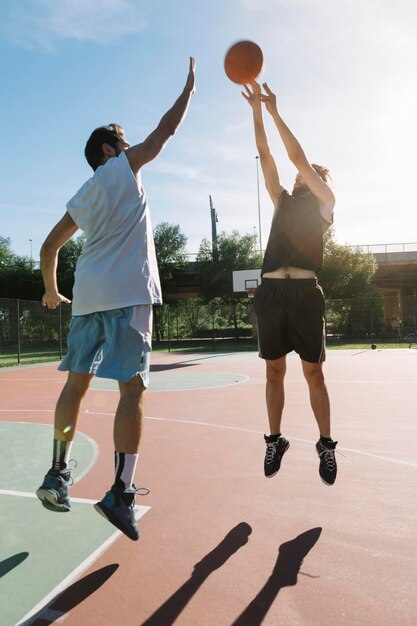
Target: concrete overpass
395,278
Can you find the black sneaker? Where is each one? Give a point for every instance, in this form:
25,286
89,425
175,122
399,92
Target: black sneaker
328,465
118,507
275,450
53,493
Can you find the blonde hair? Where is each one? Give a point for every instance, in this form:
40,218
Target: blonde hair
323,172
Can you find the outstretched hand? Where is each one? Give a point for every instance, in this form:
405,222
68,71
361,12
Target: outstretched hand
190,84
252,96
269,99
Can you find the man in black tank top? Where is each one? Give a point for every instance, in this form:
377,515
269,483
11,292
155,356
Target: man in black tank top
289,303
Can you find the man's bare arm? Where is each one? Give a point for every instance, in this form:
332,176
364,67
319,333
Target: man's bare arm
297,156
146,151
269,168
59,235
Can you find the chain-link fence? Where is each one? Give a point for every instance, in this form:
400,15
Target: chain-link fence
29,332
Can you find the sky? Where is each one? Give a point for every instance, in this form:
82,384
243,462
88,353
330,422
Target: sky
344,73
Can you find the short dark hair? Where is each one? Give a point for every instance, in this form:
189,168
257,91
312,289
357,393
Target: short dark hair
111,134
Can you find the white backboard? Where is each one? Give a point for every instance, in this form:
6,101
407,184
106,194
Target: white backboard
244,279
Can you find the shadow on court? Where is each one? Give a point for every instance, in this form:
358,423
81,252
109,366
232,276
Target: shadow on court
284,574
71,597
13,561
171,609
170,366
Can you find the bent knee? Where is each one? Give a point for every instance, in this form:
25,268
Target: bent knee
134,386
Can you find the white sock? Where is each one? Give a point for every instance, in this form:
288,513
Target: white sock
125,466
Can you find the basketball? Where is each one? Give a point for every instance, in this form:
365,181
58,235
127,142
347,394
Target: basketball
243,62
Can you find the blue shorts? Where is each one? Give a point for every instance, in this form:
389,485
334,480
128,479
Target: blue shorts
111,344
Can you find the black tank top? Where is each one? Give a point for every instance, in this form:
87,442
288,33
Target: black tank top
296,237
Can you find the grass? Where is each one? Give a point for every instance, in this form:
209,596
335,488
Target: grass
29,357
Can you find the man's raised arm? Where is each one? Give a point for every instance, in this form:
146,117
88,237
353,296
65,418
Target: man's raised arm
146,151
297,156
268,164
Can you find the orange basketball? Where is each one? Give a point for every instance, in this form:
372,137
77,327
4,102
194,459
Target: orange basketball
243,62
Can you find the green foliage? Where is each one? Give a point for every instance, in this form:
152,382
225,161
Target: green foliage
18,277
346,273
215,266
355,307
171,255
6,254
67,261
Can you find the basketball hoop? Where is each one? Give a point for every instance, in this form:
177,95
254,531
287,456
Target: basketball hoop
250,292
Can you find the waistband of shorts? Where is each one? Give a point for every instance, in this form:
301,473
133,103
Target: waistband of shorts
288,279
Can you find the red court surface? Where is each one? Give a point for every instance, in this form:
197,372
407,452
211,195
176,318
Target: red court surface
221,545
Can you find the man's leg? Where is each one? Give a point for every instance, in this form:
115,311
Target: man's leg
276,444
53,492
129,416
319,399
275,395
68,406
117,506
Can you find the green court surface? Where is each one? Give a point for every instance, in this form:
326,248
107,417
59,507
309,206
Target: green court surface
42,552
181,380
25,454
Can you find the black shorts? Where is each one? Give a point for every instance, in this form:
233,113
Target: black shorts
290,316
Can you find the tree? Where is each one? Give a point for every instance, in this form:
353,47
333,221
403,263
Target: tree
6,254
18,278
170,245
67,261
215,266
355,307
346,273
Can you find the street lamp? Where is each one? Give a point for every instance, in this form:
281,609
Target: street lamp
259,203
31,255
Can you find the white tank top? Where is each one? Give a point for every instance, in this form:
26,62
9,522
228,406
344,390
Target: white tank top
117,267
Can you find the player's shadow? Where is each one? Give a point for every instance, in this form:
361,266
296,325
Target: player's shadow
284,574
170,366
171,609
72,596
13,561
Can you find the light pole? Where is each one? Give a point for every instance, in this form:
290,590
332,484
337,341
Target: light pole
31,255
214,220
259,203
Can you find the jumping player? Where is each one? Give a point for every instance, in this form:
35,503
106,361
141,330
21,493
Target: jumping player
116,284
289,303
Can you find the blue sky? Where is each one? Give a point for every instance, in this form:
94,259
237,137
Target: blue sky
344,72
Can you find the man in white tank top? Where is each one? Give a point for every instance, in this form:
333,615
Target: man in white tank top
116,284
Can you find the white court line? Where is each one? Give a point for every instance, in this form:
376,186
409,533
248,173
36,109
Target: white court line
41,609
260,432
248,430
28,494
